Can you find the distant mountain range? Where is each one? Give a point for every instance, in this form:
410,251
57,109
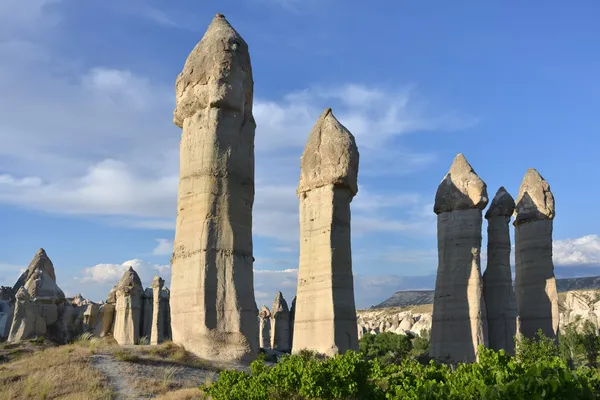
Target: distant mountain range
405,298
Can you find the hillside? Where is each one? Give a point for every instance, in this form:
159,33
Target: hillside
406,298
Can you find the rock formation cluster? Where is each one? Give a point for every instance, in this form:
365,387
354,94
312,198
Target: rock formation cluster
213,310
459,316
35,306
325,313
535,284
470,310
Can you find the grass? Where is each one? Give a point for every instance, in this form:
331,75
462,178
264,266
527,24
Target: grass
165,353
50,372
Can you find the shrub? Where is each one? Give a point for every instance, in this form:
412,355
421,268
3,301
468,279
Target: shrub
536,372
387,346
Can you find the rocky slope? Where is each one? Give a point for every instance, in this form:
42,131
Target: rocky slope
404,298
575,306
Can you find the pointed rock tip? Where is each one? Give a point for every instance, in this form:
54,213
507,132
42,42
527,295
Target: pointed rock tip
502,205
41,251
535,200
461,188
330,156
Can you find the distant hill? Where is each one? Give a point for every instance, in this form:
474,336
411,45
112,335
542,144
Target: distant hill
406,298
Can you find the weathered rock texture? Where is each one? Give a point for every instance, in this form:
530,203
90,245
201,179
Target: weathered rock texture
147,313
213,307
459,315
39,303
498,291
128,309
292,318
280,324
325,317
535,284
106,316
160,311
264,327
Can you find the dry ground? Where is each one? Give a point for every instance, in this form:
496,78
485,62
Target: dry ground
99,369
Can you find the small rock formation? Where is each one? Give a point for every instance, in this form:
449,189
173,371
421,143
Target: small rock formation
39,303
292,318
40,261
459,315
535,284
147,313
106,316
500,300
160,312
7,308
325,315
128,309
264,327
280,324
212,307
166,298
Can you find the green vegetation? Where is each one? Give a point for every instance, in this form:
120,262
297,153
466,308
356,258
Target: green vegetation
384,369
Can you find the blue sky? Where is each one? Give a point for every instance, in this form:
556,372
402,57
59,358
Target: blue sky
89,153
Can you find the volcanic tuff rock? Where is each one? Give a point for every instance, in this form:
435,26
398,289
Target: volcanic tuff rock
499,294
535,284
159,311
459,315
280,324
325,316
40,260
128,308
213,310
264,327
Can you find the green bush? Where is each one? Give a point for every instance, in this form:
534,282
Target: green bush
536,372
388,347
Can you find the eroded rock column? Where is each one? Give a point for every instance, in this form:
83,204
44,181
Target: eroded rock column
498,291
535,284
325,317
157,332
280,324
213,312
459,315
128,309
264,327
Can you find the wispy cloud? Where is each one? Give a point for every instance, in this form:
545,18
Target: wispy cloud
163,248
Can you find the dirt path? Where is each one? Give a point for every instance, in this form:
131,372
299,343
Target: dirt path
132,380
117,376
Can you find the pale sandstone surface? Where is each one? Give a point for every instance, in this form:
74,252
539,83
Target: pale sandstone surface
159,312
393,320
128,308
535,284
213,310
264,327
459,315
104,324
147,313
498,291
39,261
280,324
325,313
580,307
7,309
292,318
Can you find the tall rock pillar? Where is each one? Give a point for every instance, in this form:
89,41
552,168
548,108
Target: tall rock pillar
280,324
535,285
325,314
264,327
498,291
213,312
128,308
157,332
459,316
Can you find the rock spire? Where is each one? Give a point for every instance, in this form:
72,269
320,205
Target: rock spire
280,324
459,315
213,311
325,312
535,284
128,308
500,300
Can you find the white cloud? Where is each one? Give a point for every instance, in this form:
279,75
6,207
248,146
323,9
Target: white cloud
163,248
111,273
580,251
